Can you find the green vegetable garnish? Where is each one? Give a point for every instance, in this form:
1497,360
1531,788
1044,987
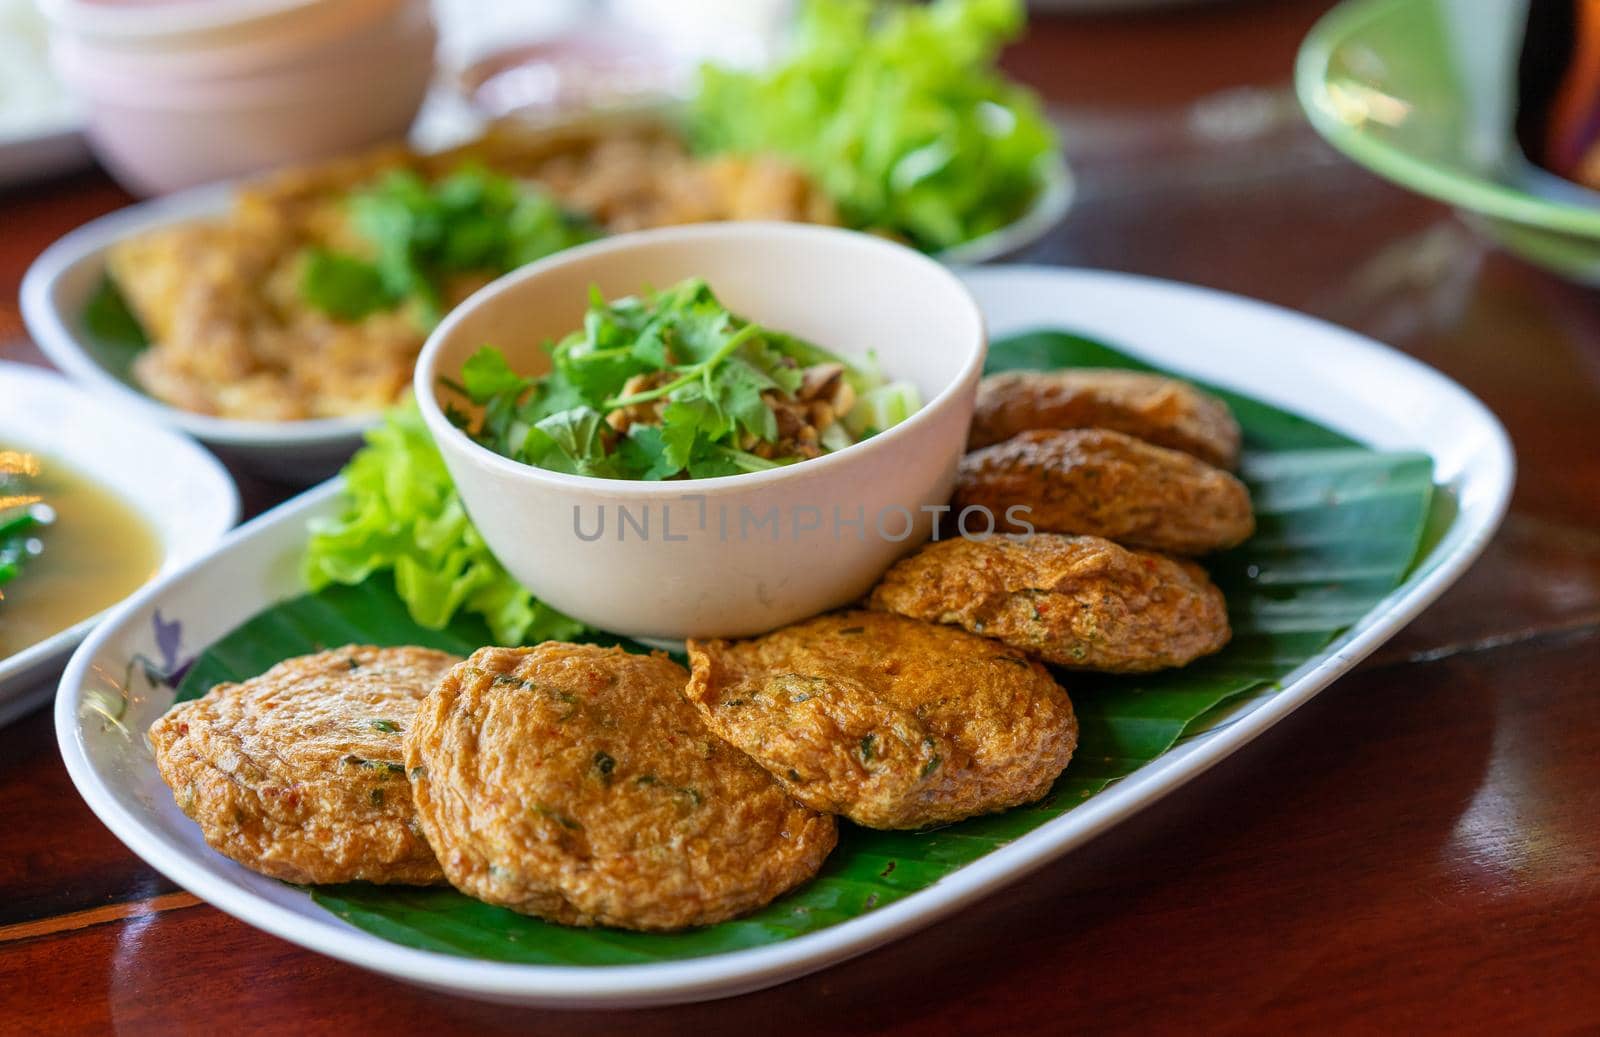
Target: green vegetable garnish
421,234
22,517
670,385
388,727
898,113
555,815
383,767
343,286
403,514
108,318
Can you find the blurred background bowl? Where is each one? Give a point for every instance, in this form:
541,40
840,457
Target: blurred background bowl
204,92
1424,93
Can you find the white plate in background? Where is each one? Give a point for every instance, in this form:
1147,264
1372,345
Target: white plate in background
64,277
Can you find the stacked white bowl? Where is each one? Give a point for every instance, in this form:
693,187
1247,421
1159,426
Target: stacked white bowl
183,92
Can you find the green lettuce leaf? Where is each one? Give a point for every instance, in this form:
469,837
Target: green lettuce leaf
403,514
896,109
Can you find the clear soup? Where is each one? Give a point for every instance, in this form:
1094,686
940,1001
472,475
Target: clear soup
96,552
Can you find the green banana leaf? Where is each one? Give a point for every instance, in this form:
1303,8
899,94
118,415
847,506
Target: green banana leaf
1339,527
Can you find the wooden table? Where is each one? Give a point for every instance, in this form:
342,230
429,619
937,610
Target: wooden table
1417,849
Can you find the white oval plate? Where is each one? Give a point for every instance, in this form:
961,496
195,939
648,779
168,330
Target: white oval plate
186,496
60,281
1334,376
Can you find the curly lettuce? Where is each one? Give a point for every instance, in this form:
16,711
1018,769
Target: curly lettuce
897,111
402,513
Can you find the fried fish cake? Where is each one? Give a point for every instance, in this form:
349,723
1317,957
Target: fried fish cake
892,722
1151,407
574,783
1081,602
1095,482
298,773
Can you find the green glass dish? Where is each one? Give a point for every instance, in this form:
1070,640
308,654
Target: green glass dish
1423,93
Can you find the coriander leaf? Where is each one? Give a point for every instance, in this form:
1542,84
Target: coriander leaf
862,373
649,349
699,328
577,432
107,317
682,424
785,371
711,464
342,286
552,395
486,374
645,454
539,227
691,405
713,460
471,221
738,387
597,374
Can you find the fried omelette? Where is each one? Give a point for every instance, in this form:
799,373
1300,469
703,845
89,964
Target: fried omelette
1080,602
574,783
1095,482
298,773
221,298
891,722
1151,407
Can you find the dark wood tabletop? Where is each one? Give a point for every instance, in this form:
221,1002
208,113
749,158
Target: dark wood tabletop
1416,850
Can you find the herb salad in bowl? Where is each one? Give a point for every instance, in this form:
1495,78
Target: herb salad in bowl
674,385
744,500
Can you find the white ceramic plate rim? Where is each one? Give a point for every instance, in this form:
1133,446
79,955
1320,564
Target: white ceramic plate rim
55,330
1482,482
201,531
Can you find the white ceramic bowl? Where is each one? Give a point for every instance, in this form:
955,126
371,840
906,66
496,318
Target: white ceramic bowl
168,25
164,120
741,554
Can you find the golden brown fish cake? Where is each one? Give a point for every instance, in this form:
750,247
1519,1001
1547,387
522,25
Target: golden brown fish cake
298,773
1151,407
1095,482
1081,602
892,722
574,783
